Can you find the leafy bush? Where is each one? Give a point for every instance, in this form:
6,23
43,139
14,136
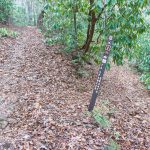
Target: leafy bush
5,10
7,33
83,26
141,55
146,79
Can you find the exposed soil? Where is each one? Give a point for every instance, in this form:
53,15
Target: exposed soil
44,105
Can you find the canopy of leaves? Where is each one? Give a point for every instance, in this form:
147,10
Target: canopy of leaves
68,22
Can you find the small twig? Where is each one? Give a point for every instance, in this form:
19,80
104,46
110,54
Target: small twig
129,99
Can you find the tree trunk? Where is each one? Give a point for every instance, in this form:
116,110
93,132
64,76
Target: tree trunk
104,25
75,10
91,28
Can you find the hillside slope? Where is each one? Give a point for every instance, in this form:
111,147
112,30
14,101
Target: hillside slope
44,105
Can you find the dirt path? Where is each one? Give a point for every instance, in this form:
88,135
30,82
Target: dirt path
44,106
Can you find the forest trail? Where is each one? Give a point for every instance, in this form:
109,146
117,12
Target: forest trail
44,106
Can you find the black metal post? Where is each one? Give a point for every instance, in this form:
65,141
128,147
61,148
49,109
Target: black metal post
100,74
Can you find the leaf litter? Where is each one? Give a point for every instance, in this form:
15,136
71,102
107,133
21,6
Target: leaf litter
44,105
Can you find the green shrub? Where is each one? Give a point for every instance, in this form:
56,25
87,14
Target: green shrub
5,10
83,26
100,115
146,79
101,119
141,55
7,33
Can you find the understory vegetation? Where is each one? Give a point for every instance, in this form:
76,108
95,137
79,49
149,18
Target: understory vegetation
50,51
101,116
142,58
5,10
20,12
141,55
83,27
26,12
4,32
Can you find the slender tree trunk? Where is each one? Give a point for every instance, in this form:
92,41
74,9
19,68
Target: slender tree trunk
29,12
75,28
75,24
104,25
91,28
91,25
40,20
34,13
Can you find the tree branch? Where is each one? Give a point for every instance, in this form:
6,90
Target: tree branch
101,11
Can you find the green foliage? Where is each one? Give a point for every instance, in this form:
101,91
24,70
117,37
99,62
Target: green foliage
100,119
3,32
141,55
26,13
81,72
60,24
5,10
112,146
67,22
19,16
7,33
146,79
116,135
100,114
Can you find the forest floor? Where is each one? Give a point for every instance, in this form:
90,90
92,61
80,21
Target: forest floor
43,105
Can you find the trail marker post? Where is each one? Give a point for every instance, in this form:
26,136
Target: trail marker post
100,74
